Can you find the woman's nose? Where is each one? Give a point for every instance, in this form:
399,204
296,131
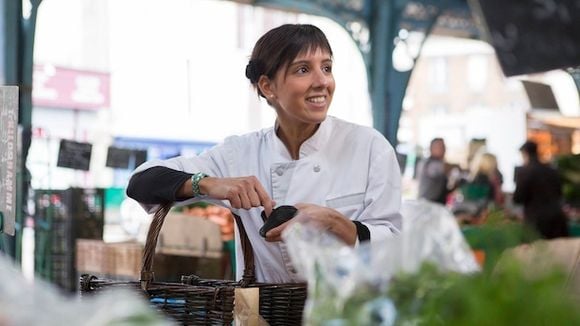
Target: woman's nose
322,78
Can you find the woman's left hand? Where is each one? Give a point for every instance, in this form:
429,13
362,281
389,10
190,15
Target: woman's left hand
324,218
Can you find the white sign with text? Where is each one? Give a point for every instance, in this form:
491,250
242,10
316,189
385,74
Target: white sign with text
8,155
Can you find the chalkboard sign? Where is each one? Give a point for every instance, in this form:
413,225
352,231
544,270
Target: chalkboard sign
123,158
140,157
74,155
531,36
118,157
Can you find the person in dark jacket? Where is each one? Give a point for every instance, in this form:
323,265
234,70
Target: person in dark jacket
539,190
433,175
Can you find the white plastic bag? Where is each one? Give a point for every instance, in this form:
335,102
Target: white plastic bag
347,286
39,303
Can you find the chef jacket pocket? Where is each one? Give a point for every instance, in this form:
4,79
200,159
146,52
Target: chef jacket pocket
349,205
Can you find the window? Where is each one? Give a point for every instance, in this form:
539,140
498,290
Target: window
439,110
477,73
438,75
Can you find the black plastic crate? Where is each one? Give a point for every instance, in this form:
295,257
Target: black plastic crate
61,217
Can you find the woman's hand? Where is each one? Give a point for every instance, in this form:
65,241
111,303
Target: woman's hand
243,192
321,217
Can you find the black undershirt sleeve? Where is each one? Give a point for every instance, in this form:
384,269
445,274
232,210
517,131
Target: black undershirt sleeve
362,231
156,185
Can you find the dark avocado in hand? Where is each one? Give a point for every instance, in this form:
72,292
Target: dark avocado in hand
279,216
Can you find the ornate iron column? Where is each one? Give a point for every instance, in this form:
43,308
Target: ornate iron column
18,33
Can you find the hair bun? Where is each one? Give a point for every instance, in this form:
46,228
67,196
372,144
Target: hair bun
252,71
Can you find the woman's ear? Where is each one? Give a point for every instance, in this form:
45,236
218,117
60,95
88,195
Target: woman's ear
267,87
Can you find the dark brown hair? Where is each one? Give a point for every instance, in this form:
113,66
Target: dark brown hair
531,148
279,46
436,140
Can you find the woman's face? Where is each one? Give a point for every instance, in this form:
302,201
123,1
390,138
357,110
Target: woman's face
301,92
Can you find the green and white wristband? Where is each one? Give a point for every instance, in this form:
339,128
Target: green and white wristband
195,179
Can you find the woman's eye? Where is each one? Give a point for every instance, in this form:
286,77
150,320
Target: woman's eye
327,68
302,70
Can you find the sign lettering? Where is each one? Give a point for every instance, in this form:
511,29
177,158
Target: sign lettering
8,155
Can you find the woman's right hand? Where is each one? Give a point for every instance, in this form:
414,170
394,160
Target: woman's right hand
243,192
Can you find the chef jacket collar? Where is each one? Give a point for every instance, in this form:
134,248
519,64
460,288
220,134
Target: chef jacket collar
311,145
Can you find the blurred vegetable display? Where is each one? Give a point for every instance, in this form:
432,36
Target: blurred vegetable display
569,168
497,233
432,297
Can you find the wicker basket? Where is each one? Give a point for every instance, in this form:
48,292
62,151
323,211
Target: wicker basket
198,301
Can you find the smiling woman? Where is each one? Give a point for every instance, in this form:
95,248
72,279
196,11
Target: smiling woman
342,178
296,79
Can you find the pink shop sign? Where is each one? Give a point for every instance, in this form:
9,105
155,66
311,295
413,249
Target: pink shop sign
70,88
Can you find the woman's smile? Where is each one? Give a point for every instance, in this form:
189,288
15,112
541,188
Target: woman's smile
317,102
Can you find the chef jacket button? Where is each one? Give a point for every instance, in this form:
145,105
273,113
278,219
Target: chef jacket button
279,171
317,168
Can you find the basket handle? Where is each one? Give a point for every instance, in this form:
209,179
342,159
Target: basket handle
249,275
147,275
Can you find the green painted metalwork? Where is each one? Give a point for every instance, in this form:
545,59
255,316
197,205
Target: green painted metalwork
11,11
387,85
25,119
18,60
397,85
28,28
379,61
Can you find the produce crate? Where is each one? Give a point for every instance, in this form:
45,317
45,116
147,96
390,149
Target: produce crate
91,256
124,259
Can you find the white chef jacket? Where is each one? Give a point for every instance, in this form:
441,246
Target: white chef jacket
350,168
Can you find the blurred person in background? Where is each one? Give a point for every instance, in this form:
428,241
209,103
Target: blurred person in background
343,178
481,188
539,190
433,174
485,174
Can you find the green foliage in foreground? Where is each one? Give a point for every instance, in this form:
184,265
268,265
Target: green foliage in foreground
431,297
